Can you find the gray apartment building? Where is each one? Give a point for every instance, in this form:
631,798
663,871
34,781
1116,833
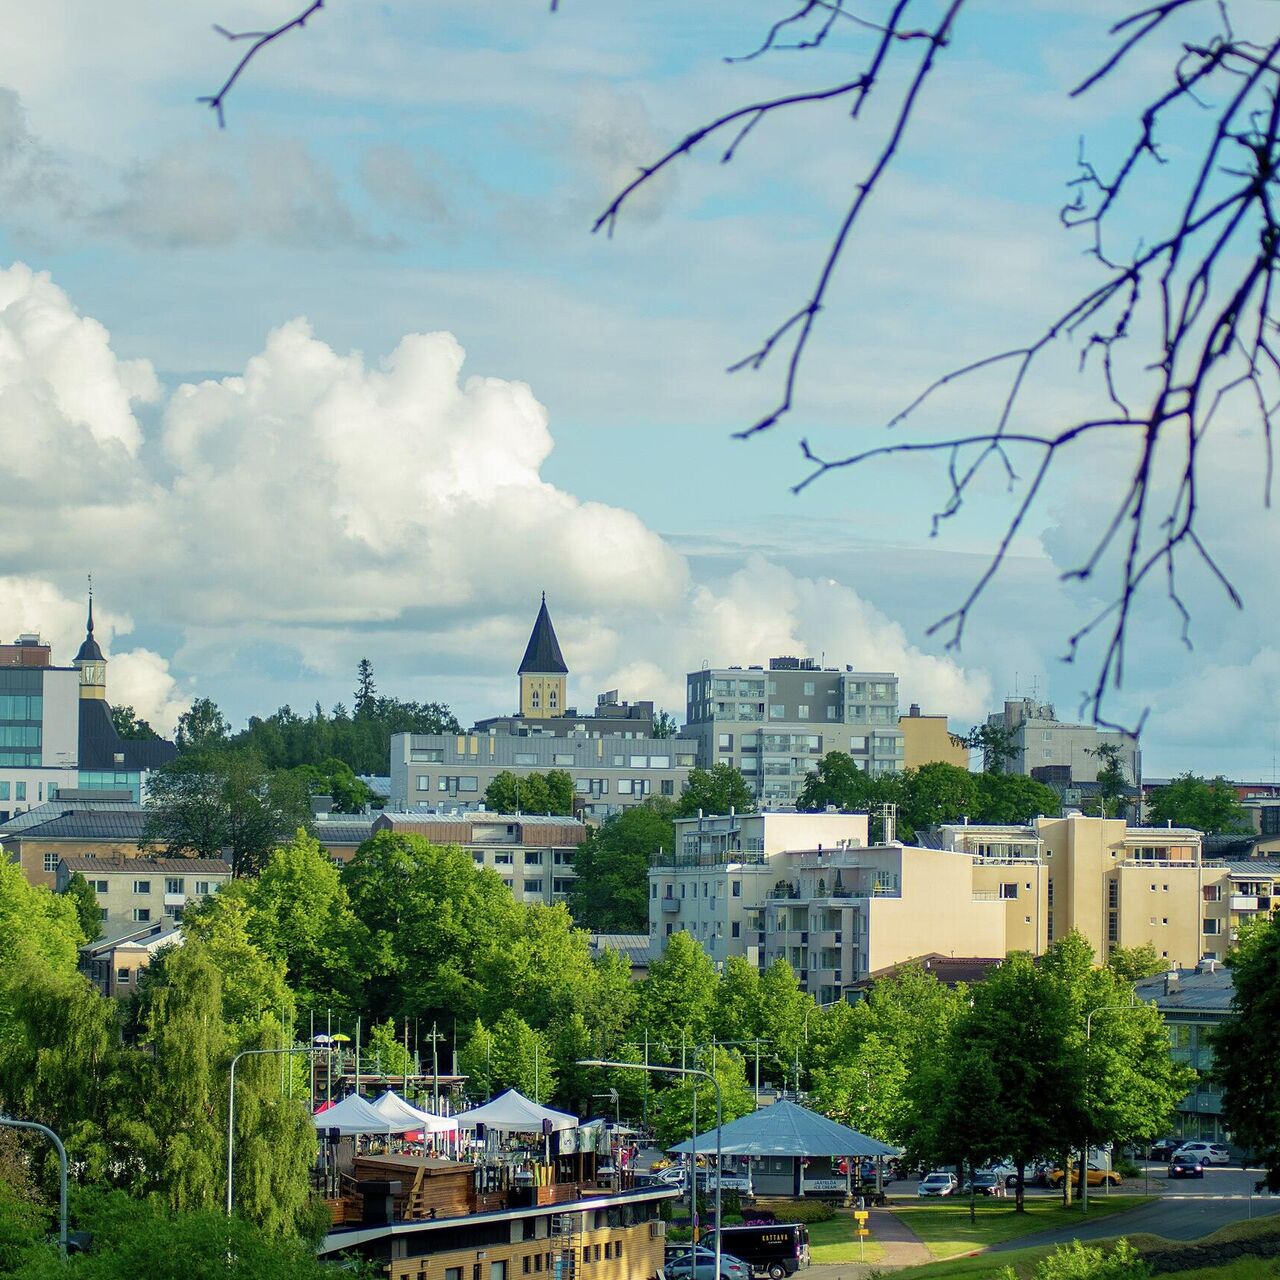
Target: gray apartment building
775,724
1057,752
609,774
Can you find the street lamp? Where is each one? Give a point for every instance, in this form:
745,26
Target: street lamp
693,1176
231,1103
1088,1036
9,1122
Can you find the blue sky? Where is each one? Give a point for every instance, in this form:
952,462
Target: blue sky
402,169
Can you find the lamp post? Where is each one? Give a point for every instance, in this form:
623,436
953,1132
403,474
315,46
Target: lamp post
9,1122
1088,1037
682,1071
231,1104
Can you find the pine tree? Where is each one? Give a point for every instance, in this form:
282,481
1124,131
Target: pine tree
366,690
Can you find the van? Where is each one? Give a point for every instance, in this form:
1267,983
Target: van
773,1249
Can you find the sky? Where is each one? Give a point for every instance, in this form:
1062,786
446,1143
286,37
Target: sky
353,377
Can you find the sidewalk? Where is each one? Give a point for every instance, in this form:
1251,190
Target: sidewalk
901,1245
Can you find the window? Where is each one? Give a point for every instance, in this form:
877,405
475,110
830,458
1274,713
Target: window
777,711
142,886
202,888
857,744
737,888
639,762
4,790
551,706
142,915
122,977
421,755
533,858
809,689
802,711
19,790
527,1265
737,929
535,703
562,757
102,913
1213,926
659,762
174,884
51,861
624,786
504,859
424,782
525,757
1009,889
669,928
99,886
833,712
533,886
668,787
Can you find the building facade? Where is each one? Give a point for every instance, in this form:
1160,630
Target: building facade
775,725
928,740
142,891
78,824
56,731
1058,753
532,853
717,880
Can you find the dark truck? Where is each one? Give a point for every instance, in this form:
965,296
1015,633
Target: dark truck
773,1249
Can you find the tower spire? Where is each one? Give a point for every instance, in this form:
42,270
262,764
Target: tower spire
89,625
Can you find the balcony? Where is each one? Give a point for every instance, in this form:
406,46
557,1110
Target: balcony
175,899
670,906
1244,902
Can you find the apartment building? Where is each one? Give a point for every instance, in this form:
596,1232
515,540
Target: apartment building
1237,891
113,965
1058,753
533,853
56,731
77,824
926,739
776,724
137,892
714,884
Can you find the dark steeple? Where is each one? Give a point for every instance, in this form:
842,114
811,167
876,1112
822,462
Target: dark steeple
542,655
89,651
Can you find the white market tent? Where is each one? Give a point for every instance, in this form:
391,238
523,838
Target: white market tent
400,1116
353,1115
512,1112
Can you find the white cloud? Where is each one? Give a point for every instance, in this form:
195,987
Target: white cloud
317,493
141,679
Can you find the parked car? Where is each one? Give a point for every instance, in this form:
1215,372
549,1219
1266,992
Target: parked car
697,1262
987,1182
1185,1166
937,1184
1207,1152
775,1249
675,1176
728,1181
1097,1175
1163,1148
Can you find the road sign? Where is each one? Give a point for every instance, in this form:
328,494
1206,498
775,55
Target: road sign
861,1215
864,1231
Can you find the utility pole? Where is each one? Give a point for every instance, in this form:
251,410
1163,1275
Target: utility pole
435,1037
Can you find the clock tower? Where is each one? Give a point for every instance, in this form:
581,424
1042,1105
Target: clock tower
90,662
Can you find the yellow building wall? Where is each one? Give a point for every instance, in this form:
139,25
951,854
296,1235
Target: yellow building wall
31,855
1163,906
926,740
1032,880
641,1257
541,697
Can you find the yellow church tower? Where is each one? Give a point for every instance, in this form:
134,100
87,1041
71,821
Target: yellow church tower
542,672
90,661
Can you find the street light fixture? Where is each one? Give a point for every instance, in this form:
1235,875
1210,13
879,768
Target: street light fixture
231,1103
1088,1037
693,1176
11,1123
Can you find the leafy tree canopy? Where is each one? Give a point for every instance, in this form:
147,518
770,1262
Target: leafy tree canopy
130,726
1206,804
715,790
88,913
36,925
550,792
611,892
674,1119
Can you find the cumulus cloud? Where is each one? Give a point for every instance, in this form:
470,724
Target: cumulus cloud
142,680
318,495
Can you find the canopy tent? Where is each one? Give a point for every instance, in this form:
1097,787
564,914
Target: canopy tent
785,1129
353,1115
402,1116
512,1112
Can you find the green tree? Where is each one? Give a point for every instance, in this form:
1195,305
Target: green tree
838,782
1113,785
522,1058
937,793
1247,1047
550,792
1204,804
737,1014
997,744
301,916
665,725
130,726
1013,798
334,778
88,913
366,690
673,1121
611,892
37,926
784,1011
475,1061
677,1001
715,790
24,1217
205,804
1132,964
202,728
385,1053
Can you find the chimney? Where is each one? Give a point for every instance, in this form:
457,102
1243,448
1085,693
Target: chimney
915,710
1171,983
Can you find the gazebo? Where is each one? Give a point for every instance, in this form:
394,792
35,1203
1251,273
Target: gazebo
789,1150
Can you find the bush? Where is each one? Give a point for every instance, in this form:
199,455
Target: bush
806,1211
730,1202
1076,1261
1126,1168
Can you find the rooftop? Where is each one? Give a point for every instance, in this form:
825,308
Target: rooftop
105,866
1208,988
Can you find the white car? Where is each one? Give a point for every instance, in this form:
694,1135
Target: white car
1205,1152
675,1175
937,1184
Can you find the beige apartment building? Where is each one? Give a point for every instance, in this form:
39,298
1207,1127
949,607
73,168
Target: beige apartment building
135,892
927,740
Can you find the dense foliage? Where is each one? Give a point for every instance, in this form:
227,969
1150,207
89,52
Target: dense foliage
924,797
715,790
550,792
1205,804
611,892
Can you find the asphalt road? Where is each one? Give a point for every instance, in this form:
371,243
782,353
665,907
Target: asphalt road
1188,1208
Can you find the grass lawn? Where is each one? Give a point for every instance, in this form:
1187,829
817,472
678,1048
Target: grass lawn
946,1230
834,1241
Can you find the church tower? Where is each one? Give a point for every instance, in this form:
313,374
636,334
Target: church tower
543,672
90,662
